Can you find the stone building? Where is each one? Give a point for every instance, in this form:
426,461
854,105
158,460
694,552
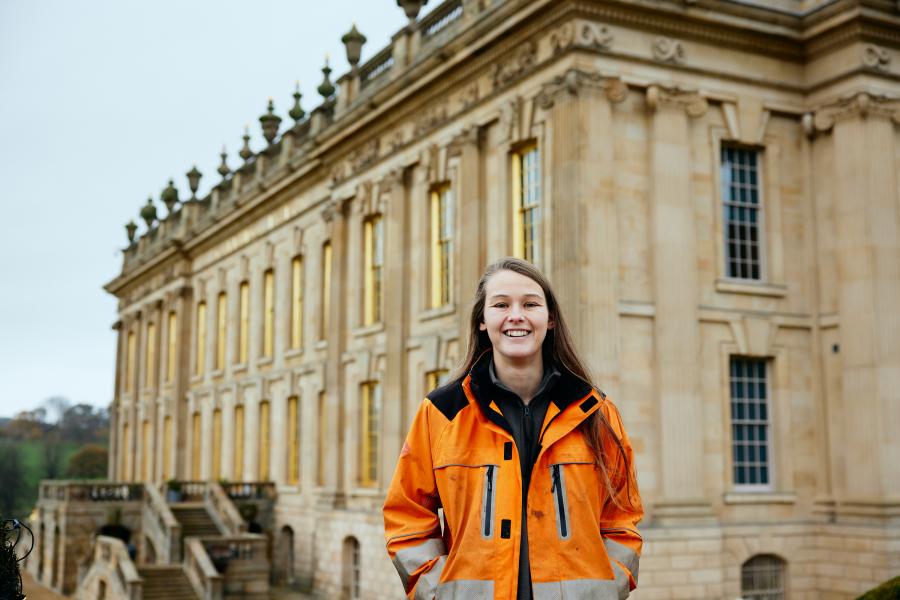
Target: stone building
711,186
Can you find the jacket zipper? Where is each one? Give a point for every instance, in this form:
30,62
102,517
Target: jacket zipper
560,497
488,501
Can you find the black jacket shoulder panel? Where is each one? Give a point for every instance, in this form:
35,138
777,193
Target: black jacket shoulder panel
449,399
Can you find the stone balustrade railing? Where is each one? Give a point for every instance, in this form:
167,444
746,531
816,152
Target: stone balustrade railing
441,18
86,491
112,574
250,490
161,526
223,508
204,578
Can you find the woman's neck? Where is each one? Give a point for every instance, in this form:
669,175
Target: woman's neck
521,376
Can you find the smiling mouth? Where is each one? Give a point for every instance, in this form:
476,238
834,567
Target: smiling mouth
516,333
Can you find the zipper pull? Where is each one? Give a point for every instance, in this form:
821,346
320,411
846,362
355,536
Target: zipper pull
490,477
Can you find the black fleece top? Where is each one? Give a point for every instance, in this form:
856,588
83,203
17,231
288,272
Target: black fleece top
525,421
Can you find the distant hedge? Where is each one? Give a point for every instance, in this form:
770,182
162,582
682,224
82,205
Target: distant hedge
889,590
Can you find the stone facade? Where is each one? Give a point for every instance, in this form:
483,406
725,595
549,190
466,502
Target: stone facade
629,105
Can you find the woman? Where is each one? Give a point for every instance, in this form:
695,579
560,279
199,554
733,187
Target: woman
529,461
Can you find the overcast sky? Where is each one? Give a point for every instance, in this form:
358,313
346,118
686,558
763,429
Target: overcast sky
101,101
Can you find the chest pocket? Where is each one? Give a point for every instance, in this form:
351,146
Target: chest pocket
467,476
571,477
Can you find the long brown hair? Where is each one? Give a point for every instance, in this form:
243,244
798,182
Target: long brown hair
557,349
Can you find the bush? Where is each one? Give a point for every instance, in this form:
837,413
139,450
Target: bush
889,590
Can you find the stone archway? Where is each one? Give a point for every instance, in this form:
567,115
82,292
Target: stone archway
284,557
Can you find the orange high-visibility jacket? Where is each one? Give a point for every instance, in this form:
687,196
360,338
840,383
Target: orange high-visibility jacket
459,456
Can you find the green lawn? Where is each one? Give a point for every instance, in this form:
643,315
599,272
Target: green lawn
32,453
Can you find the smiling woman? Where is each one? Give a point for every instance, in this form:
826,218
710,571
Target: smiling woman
522,398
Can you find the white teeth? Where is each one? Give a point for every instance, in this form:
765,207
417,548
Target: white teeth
517,333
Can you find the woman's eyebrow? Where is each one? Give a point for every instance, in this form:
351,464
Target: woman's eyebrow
504,296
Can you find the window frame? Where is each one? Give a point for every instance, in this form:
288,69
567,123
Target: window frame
370,397
441,212
200,341
519,191
373,269
777,564
296,328
724,202
770,463
243,337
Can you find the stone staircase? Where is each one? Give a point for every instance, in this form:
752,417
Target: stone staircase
166,582
195,520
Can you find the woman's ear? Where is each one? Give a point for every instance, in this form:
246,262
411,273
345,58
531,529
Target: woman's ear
482,326
551,324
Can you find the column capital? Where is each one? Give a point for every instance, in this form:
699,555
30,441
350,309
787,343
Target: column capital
573,81
860,104
690,101
470,136
334,207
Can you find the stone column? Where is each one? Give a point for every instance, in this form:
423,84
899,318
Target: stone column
583,222
184,311
867,227
676,323
335,215
396,309
114,437
470,204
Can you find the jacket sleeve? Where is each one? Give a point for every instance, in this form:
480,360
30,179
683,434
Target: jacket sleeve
411,526
619,519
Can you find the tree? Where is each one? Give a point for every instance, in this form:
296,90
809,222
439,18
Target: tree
84,423
13,477
57,406
28,424
52,450
88,463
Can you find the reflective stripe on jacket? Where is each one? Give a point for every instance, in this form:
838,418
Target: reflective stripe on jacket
458,456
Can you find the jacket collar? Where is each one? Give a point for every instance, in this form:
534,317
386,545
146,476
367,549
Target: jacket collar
567,388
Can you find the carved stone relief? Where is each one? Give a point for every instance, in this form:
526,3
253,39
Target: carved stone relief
581,35
862,104
431,117
659,96
665,49
876,58
574,80
511,68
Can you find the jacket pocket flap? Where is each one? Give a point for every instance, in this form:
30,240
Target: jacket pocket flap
466,457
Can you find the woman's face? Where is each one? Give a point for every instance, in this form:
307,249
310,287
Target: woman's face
516,316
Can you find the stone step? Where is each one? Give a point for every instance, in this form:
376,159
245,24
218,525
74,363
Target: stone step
166,583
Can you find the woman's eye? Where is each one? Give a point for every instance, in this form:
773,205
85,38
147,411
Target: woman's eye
500,305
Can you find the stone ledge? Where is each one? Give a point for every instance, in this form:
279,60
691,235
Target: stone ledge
759,498
729,286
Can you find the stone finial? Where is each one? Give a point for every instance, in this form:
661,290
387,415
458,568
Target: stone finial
169,196
246,152
353,41
223,166
148,213
296,112
326,88
270,122
131,230
193,177
411,8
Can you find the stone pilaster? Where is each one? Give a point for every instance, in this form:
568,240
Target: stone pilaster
673,244
584,232
396,309
332,493
469,203
867,225
114,407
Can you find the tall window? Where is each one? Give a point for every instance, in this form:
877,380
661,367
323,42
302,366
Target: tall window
370,419
201,339
326,290
750,426
742,212
244,325
130,352
263,471
269,313
352,569
221,329
127,453
373,268
195,443
238,471
296,302
526,171
147,462
150,356
322,440
441,245
435,379
167,449
762,578
293,436
172,346
217,444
